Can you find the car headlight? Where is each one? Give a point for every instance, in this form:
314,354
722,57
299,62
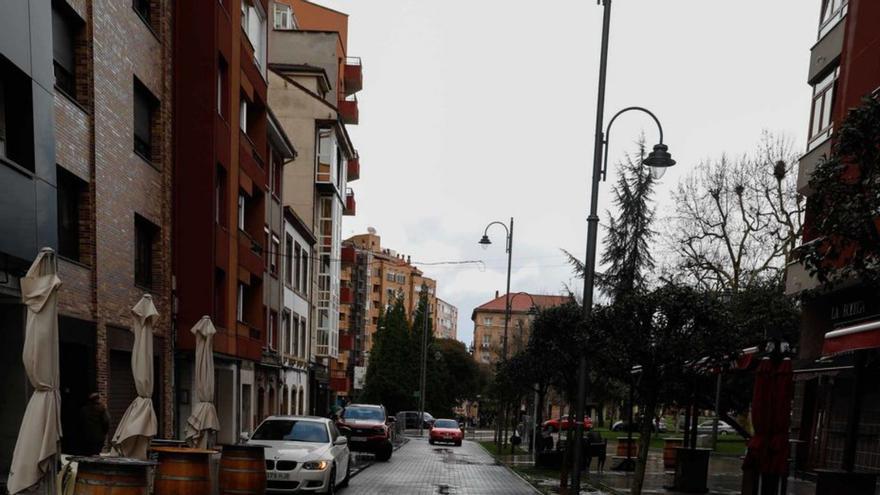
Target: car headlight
315,465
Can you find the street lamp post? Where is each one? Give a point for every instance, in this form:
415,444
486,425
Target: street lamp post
485,243
658,160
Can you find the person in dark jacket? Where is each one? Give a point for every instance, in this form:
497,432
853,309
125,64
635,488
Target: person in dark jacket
95,422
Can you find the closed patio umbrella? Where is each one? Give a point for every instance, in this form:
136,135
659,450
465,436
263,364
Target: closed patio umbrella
762,417
203,419
40,430
138,425
783,390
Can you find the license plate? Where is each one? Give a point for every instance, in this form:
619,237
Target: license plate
273,476
358,439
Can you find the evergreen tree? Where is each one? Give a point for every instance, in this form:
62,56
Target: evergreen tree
626,247
435,374
390,378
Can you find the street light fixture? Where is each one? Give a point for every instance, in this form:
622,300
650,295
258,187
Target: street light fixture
658,161
485,242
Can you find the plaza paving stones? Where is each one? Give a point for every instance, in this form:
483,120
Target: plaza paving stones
418,468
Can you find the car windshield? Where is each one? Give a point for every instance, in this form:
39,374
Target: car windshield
292,430
445,423
363,413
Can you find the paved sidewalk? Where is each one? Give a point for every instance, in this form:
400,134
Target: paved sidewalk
419,468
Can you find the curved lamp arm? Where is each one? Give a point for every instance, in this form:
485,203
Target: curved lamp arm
506,230
608,132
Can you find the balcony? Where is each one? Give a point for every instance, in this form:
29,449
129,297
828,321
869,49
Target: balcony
354,75
250,254
346,295
350,204
346,342
348,110
354,168
349,254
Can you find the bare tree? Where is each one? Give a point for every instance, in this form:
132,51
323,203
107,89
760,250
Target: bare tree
737,221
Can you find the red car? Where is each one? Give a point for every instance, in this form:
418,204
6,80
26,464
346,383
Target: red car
446,430
564,423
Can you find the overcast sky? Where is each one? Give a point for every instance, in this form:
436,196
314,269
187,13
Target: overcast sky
479,110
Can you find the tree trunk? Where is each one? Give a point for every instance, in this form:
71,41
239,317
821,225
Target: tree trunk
645,431
600,415
565,471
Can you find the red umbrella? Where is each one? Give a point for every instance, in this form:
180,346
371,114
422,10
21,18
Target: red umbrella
783,390
762,418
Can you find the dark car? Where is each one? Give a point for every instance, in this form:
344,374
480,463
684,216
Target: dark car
410,419
367,430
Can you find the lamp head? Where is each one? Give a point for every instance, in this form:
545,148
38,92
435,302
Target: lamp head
658,161
485,242
532,311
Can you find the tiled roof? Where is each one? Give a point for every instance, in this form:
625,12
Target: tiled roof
521,303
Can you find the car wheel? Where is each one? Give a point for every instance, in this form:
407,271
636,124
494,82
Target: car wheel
458,443
345,480
431,441
331,483
385,454
722,433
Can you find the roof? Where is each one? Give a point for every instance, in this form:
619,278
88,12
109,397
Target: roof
520,302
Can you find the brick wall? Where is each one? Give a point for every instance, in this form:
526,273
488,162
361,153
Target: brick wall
94,140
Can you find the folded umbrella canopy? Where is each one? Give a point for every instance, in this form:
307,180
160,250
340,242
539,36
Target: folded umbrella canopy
138,425
203,419
758,454
783,391
40,430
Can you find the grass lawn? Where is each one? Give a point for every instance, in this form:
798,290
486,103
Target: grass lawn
730,444
490,446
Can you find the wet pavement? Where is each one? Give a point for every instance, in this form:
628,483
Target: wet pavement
420,468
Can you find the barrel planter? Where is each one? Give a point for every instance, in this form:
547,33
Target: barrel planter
243,470
182,471
624,442
669,455
111,476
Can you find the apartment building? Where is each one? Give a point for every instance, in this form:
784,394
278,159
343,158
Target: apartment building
489,317
312,85
222,161
86,169
445,320
836,414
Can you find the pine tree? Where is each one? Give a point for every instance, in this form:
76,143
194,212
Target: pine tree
627,244
390,375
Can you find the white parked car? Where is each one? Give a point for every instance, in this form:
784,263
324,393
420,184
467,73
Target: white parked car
304,454
705,428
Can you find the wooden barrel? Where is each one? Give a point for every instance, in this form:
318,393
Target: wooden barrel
243,470
669,446
182,471
622,444
111,476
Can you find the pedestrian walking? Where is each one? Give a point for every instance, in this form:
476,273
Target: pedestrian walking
95,422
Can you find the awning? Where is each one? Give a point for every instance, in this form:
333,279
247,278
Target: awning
824,366
852,338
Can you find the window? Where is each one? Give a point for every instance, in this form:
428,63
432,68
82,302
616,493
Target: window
305,272
297,259
276,167
220,213
390,276
487,320
222,88
242,114
401,278
66,30
145,106
145,236
16,116
273,329
72,217
326,154
253,22
290,260
239,303
486,341
292,329
241,205
823,106
303,331
275,256
284,17
832,12
144,9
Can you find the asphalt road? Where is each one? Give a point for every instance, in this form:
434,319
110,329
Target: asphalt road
420,468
